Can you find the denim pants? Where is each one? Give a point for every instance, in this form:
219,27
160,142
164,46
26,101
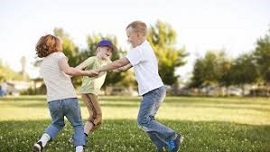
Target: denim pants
70,109
158,133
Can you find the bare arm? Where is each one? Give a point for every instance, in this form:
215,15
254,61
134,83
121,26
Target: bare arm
73,71
114,65
124,68
82,65
128,66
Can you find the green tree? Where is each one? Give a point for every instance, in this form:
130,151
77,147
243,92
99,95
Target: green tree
262,56
210,70
224,65
6,73
197,79
244,71
69,47
163,38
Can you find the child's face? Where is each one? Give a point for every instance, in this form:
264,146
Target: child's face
134,38
104,52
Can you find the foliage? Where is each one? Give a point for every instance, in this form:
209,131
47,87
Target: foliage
262,56
244,70
69,48
6,73
211,70
163,38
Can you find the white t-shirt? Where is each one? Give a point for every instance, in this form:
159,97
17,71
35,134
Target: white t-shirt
145,66
58,84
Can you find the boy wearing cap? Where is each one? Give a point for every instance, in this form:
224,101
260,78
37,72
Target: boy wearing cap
91,85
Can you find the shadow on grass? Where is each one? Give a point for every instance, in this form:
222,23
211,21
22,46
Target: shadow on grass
124,135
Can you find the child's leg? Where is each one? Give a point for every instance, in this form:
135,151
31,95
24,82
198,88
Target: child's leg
158,133
73,114
95,115
57,124
57,115
88,124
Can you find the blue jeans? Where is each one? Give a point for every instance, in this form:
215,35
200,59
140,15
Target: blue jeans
158,133
70,109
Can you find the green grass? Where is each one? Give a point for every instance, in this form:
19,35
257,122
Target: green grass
208,124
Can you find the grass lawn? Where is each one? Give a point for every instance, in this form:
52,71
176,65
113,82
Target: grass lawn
208,124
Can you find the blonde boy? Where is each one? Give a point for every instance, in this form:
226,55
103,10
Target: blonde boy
142,58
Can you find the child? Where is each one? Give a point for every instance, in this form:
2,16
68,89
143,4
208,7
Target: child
91,86
61,96
142,58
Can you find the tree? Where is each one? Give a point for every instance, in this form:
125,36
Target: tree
244,70
69,48
197,79
262,56
6,73
163,38
210,70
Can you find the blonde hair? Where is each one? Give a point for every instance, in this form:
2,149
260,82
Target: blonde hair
48,44
138,26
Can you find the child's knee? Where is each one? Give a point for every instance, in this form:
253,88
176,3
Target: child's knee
59,125
142,121
96,121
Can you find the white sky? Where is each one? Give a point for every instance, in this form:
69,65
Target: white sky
201,25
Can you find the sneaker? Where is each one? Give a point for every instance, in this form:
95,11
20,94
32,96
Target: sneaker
80,150
174,145
38,147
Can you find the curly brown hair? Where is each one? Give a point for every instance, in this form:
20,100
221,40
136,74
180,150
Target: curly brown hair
48,44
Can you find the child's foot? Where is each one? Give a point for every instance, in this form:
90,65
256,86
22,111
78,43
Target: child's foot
174,145
79,149
38,147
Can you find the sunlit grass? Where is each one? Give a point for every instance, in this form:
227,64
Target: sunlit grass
254,111
209,124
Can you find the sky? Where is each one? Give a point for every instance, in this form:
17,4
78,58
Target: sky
201,25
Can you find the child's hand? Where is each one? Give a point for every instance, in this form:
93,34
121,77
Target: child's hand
93,73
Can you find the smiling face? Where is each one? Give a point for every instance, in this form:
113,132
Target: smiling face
104,52
133,37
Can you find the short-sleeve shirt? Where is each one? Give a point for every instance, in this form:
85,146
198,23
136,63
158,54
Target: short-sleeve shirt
58,84
145,65
93,84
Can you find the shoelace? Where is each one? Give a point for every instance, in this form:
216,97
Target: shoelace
171,144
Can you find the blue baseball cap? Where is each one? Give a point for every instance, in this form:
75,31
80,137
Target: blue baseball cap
107,43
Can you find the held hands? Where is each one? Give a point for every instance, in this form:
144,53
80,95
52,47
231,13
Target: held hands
119,69
93,73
